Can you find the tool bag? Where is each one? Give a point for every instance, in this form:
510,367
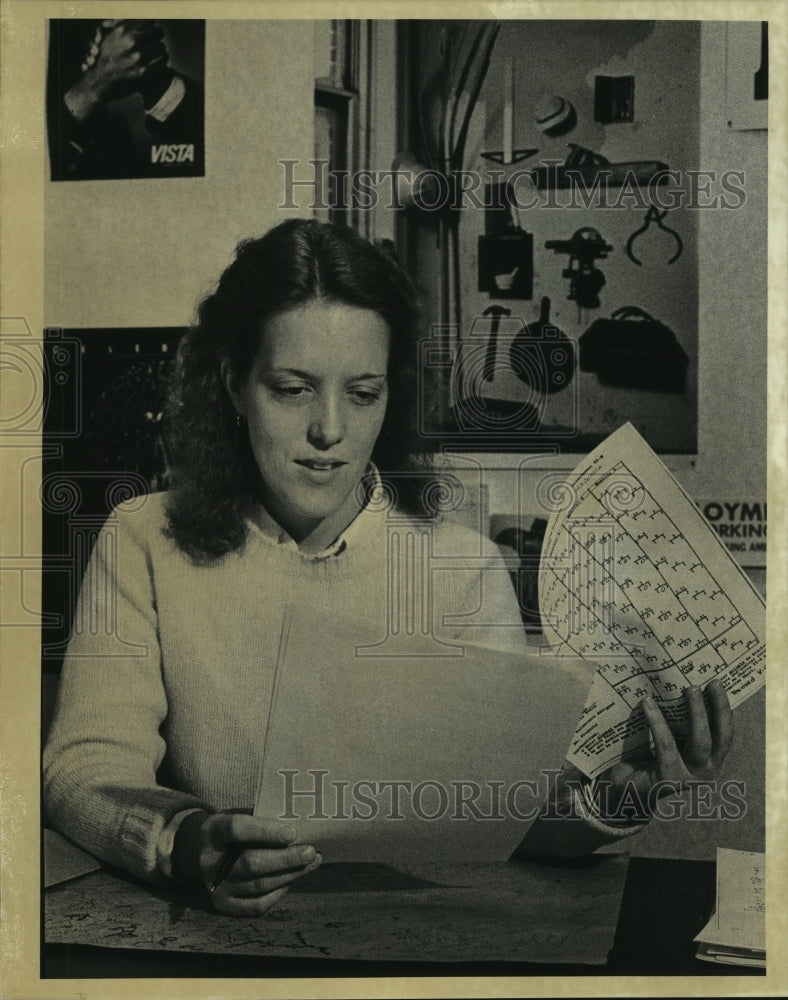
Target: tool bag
634,350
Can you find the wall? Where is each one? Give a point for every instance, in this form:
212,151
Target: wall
563,58
149,248
732,282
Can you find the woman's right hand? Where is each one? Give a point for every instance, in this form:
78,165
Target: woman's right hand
262,874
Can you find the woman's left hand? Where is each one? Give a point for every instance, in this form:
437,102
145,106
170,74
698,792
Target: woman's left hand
630,788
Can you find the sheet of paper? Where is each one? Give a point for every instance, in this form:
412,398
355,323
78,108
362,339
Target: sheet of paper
739,920
64,860
633,578
707,953
381,758
514,912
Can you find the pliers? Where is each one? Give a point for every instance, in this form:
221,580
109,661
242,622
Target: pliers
654,215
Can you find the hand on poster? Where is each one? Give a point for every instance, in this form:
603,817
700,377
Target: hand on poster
123,57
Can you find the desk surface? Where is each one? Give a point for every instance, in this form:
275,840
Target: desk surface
665,903
422,912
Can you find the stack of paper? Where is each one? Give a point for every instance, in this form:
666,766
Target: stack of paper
736,932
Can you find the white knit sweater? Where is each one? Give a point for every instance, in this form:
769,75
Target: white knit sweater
169,669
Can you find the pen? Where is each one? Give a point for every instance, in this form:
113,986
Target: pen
226,867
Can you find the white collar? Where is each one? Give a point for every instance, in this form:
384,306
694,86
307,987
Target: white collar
358,528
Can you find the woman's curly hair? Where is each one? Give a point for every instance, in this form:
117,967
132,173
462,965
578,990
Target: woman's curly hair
214,476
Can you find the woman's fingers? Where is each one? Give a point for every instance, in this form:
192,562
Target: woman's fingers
269,883
228,830
697,750
258,862
253,897
720,721
266,861
669,762
710,733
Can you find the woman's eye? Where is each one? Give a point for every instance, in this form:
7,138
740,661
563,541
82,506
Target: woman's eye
290,391
365,396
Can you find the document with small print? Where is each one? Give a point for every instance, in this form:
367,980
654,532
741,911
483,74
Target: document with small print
634,579
736,932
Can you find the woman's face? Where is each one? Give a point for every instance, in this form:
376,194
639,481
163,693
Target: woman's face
314,401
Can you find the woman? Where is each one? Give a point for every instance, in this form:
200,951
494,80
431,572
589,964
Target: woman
293,411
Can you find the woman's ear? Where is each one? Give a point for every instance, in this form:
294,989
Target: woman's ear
232,385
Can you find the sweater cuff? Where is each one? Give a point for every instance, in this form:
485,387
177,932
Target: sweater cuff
586,801
144,825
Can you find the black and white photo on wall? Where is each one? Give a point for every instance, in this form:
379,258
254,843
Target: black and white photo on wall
125,98
534,187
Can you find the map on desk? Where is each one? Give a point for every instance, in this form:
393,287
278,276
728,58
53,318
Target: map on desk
633,578
511,911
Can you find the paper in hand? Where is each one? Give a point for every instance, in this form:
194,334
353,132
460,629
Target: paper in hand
416,758
633,578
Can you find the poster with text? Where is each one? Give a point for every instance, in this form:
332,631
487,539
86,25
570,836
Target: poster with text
125,98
